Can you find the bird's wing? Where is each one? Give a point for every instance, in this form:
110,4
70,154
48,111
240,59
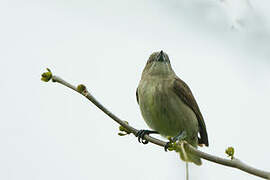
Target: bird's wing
185,94
137,96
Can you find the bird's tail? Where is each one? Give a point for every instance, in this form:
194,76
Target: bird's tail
187,157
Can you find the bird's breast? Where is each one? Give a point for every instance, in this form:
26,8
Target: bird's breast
163,110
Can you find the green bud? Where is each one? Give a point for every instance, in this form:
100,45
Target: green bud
170,138
172,147
81,88
230,152
123,129
46,76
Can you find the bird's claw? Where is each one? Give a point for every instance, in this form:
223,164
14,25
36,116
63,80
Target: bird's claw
167,145
179,137
141,133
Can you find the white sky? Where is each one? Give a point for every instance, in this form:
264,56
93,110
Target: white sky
221,49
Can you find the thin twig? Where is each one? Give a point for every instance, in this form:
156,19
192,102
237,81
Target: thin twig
187,173
235,163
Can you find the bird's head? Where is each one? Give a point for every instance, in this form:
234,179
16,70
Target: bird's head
158,64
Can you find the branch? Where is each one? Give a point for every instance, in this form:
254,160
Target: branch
235,163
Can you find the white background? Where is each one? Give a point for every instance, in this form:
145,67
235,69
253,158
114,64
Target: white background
221,49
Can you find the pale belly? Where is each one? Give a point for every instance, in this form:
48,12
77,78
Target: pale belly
164,112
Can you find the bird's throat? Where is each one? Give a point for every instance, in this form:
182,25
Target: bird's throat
159,69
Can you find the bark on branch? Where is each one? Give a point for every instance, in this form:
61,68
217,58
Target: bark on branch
235,163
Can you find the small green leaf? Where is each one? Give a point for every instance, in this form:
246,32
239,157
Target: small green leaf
81,88
46,76
230,152
122,134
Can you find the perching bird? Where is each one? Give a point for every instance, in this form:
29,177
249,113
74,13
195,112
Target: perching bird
168,106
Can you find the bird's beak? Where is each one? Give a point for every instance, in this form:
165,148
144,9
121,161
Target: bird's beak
161,56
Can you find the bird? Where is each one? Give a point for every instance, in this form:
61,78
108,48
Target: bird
168,106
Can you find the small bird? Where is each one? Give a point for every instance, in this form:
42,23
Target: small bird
168,106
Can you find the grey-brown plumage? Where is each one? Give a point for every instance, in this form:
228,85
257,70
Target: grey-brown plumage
185,94
168,105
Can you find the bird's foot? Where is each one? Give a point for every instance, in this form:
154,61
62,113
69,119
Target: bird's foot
141,133
179,137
